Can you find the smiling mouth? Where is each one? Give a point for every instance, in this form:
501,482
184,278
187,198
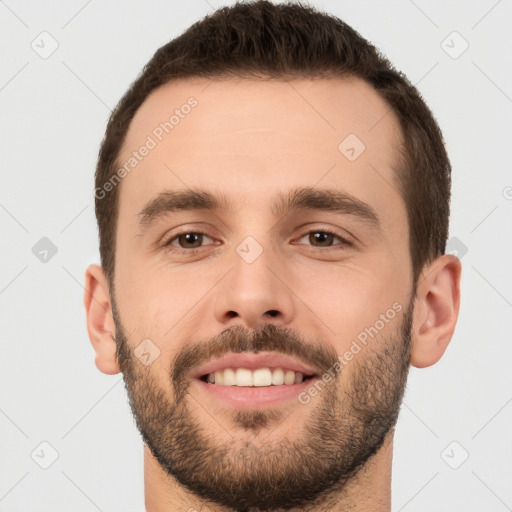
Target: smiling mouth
261,377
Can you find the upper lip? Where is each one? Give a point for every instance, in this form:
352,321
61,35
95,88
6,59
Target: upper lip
252,361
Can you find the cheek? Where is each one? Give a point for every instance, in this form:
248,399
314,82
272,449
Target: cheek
164,303
345,300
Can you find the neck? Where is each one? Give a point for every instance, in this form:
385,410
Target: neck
369,490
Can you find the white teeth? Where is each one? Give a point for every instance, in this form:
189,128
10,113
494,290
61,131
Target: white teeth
243,377
278,377
261,377
257,378
217,377
289,377
229,377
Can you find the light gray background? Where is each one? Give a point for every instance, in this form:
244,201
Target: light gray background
53,116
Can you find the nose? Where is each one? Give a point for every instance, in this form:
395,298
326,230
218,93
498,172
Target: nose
255,293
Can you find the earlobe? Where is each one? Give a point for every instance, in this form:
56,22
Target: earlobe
100,322
436,310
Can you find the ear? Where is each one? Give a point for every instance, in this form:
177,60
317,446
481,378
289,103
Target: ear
100,322
436,310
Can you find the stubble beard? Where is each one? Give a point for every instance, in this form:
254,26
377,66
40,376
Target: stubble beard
346,423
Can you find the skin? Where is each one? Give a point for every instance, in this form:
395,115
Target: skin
248,139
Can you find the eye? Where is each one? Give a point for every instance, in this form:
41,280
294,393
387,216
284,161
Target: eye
324,238
190,241
187,240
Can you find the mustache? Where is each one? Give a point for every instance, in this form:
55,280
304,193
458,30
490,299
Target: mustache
238,339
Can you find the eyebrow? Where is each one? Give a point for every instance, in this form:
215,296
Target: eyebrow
299,199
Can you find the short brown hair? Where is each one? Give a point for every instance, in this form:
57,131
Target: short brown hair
287,41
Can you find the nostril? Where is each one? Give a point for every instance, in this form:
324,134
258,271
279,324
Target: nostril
272,312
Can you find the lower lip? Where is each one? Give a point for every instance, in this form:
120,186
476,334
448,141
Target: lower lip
256,396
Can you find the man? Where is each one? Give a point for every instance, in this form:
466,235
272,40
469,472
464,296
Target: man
272,200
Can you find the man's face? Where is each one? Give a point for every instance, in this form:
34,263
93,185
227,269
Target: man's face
310,282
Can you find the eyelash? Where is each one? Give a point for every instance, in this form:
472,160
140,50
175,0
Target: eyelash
167,244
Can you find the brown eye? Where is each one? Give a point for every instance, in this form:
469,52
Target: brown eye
322,238
187,240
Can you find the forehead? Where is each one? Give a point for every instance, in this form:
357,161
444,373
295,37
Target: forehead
249,136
